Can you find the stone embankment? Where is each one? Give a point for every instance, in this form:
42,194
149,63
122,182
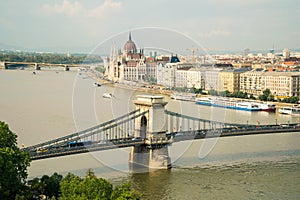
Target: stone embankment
98,77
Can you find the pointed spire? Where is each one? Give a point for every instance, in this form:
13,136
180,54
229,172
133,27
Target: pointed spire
130,35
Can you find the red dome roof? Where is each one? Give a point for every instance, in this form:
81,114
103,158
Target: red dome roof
130,46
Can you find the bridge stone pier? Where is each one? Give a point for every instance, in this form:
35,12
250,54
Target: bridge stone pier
3,65
37,66
67,68
151,127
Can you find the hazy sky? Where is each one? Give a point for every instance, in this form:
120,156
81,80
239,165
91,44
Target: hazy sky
219,24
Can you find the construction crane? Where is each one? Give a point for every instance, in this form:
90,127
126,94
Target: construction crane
193,49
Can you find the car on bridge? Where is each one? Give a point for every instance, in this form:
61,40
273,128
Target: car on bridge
79,143
41,150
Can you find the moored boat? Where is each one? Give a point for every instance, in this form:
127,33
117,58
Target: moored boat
267,106
248,106
107,95
228,103
285,110
183,96
295,111
207,101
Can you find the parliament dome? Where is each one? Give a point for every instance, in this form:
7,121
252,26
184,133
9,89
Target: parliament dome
130,46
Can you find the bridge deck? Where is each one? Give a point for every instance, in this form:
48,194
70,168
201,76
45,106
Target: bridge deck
170,138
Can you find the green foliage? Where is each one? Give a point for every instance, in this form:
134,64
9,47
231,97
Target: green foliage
124,191
197,90
100,69
91,187
13,164
36,188
13,171
213,93
252,97
293,99
51,185
240,94
49,58
266,96
226,93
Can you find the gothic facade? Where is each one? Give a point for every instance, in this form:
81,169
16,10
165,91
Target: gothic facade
129,64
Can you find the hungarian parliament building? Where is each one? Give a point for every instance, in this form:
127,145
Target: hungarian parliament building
130,65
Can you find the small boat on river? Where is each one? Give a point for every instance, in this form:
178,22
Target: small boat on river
294,111
183,96
107,95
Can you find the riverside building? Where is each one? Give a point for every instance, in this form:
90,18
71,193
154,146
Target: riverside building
230,79
129,64
250,82
281,84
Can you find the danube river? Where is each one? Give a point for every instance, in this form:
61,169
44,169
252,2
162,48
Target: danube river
53,103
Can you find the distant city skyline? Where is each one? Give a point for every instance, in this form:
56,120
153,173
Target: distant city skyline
79,26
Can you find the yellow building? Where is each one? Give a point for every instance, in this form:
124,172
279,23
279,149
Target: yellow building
230,79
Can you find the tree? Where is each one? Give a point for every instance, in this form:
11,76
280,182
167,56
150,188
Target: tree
252,97
213,92
124,191
293,99
52,185
36,187
266,96
13,164
91,187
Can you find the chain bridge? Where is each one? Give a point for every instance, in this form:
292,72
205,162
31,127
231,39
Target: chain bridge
148,130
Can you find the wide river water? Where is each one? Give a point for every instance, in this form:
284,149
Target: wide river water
54,103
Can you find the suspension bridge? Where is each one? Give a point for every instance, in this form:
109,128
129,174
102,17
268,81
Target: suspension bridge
148,130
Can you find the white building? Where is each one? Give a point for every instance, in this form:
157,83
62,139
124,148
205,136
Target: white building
211,78
166,74
281,84
130,65
189,78
250,82
178,74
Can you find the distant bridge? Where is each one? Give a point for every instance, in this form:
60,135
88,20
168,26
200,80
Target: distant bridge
149,130
38,66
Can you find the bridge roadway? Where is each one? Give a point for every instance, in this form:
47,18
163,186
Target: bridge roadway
66,149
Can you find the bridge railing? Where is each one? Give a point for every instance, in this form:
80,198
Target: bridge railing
81,135
175,121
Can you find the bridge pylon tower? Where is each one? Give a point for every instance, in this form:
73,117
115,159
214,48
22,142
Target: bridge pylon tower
152,128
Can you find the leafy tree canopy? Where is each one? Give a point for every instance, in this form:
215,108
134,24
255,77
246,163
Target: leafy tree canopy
13,164
91,187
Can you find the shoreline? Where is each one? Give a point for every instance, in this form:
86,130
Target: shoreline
98,78
167,92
